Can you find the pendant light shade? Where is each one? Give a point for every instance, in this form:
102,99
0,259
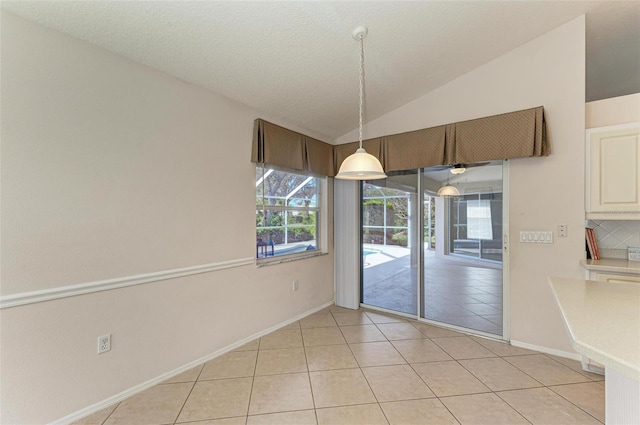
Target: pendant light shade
361,165
448,191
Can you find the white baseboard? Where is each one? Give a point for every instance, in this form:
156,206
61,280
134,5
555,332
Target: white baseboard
150,383
546,350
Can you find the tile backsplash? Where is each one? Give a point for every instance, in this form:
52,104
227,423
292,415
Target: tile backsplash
614,236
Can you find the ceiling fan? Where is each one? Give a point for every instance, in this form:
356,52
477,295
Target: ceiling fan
457,168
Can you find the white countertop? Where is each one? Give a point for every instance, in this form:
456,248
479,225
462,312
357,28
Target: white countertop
603,320
612,265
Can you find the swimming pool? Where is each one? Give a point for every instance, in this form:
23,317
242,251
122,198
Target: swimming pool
366,252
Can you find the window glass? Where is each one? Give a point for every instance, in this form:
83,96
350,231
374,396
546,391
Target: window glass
476,225
287,210
479,219
385,213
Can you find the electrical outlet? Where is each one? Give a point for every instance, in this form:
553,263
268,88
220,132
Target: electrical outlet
104,343
294,285
562,230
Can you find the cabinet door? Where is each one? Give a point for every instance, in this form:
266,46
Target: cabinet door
617,278
614,170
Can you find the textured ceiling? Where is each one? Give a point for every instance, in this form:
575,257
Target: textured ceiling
297,60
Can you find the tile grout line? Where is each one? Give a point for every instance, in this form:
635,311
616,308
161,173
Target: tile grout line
362,372
560,364
411,366
498,357
253,380
579,372
579,407
365,376
508,404
189,395
306,361
111,413
496,392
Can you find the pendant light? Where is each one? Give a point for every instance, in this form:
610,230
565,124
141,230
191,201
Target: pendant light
458,169
361,165
447,191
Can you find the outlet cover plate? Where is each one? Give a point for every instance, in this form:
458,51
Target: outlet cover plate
104,343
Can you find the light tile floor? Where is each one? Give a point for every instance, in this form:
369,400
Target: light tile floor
342,366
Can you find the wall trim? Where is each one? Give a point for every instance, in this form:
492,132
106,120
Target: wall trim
150,383
32,297
546,350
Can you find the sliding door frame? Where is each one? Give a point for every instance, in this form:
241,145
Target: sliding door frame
506,331
418,234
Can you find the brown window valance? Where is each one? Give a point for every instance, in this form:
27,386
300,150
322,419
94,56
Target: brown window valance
512,135
518,134
416,149
277,145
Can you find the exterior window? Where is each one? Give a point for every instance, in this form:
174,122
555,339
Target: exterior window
385,215
476,226
287,213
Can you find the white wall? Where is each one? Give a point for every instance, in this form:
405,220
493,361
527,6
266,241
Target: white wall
549,71
111,169
613,111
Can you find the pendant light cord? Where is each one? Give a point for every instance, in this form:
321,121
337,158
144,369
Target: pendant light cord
361,165
264,211
361,84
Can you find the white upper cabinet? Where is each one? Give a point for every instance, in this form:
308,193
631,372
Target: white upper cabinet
613,172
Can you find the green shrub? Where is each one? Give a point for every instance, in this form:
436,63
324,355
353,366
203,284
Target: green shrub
400,239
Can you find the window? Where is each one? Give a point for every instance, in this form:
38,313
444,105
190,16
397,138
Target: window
479,219
385,215
476,226
287,212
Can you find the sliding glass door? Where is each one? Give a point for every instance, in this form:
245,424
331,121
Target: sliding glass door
437,258
463,279
390,249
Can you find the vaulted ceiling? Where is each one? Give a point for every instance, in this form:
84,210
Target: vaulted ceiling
297,60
